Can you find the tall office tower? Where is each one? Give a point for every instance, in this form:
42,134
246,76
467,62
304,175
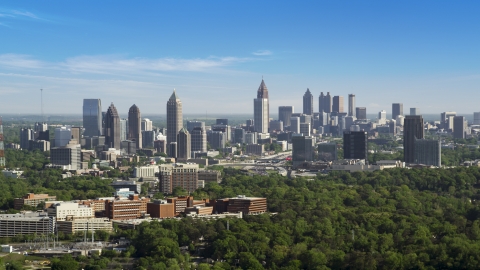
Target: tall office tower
148,139
221,121
92,117
198,139
63,135
308,103
476,118
26,135
428,152
349,120
40,127
382,117
393,127
193,124
174,118
123,129
412,129
2,145
446,120
414,111
351,105
217,139
305,129
184,144
68,156
284,114
459,127
276,125
325,103
361,113
146,124
397,109
355,145
302,149
135,126
112,128
172,150
337,105
295,124
260,109
239,135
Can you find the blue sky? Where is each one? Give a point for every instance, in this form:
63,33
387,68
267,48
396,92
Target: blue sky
422,53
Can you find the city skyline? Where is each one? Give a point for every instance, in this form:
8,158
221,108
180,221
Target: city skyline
384,53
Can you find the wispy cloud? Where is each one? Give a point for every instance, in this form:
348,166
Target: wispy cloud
19,61
262,53
25,14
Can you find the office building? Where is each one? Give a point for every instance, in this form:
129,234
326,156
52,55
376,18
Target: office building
217,139
446,120
393,127
284,114
161,209
251,137
351,105
131,208
172,150
225,129
308,103
148,138
92,117
397,109
146,124
178,175
382,117
361,113
412,130
174,118
210,176
32,200
131,185
295,125
239,135
65,210
327,151
476,118
40,145
135,126
198,141
67,157
459,127
62,136
261,115
246,205
325,103
254,149
40,127
305,129
112,128
355,145
193,124
184,144
221,121
414,111
302,149
26,135
73,225
276,125
337,105
428,152
12,225
123,129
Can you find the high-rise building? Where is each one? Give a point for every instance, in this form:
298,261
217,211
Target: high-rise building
476,118
446,120
337,105
397,109
459,127
40,127
63,135
327,151
184,144
2,145
68,156
178,175
174,118
135,126
351,105
382,117
276,125
123,129
284,114
295,124
361,113
261,114
325,103
414,111
355,145
239,136
302,149
308,103
146,124
217,139
428,152
26,135
198,139
412,130
92,117
148,138
112,128
193,124
221,121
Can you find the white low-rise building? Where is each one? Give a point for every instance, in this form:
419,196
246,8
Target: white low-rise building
70,209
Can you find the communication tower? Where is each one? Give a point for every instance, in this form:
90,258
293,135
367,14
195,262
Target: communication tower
2,145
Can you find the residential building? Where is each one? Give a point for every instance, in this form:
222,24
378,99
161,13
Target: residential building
174,118
284,114
261,113
178,175
92,117
135,126
32,199
308,103
355,145
412,130
112,128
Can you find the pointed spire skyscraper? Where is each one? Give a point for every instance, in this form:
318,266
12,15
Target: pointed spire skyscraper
112,128
261,114
308,103
174,118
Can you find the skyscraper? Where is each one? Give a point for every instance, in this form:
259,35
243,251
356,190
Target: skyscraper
361,113
397,109
308,103
260,109
414,111
174,118
428,152
198,141
284,114
112,128
134,126
459,127
351,105
412,130
337,105
355,145
476,118
193,124
26,135
325,103
302,149
183,144
147,124
446,120
92,117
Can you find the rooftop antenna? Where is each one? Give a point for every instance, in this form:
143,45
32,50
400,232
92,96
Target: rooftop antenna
41,103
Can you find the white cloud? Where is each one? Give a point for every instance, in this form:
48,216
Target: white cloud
262,53
19,61
25,14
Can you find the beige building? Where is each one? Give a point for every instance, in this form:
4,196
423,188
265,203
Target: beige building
68,210
32,199
73,225
178,175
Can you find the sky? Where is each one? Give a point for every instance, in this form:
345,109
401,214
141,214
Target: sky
424,54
